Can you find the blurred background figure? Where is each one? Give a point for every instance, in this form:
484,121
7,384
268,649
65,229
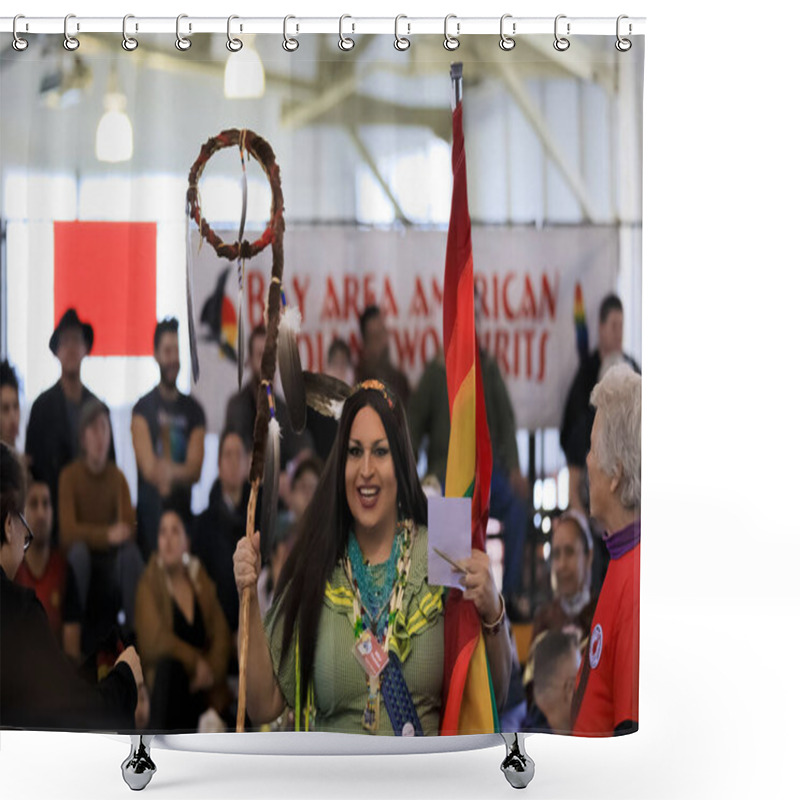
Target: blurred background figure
572,605
219,528
339,365
571,556
9,405
168,430
240,413
576,425
98,530
429,424
47,572
557,658
52,439
375,361
303,485
182,633
39,686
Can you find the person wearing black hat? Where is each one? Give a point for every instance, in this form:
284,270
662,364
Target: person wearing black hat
51,440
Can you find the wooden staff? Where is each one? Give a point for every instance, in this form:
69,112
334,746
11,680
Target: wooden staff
261,429
244,615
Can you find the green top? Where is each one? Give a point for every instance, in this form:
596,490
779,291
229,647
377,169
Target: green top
340,684
429,414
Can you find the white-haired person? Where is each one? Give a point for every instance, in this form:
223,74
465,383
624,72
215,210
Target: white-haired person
606,697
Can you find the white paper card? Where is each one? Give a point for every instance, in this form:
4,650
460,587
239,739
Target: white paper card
450,532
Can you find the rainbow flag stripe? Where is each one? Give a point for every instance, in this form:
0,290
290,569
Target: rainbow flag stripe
469,705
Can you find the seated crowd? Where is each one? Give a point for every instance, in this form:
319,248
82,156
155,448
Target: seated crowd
109,575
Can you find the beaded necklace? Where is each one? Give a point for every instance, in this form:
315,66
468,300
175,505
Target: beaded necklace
375,582
404,534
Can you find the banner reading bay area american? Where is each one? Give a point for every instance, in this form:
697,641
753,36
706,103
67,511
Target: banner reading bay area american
525,282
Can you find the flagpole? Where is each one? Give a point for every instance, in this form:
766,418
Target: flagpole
456,72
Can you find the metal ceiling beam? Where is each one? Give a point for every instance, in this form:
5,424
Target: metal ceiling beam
370,162
532,113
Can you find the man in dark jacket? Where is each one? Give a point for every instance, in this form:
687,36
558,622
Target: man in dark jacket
39,686
51,440
576,425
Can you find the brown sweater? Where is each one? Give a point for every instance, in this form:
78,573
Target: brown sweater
89,504
154,623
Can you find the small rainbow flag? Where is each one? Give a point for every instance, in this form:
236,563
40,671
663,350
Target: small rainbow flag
469,704
579,318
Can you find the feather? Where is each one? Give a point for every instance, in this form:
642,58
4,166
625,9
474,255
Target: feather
242,218
269,496
291,368
240,331
325,394
190,303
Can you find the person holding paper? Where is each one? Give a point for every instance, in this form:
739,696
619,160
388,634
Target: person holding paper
355,639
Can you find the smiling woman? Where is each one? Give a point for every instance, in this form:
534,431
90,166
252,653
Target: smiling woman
371,486
355,640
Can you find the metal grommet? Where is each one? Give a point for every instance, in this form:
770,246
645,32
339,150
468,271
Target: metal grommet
506,42
19,44
451,42
623,45
400,42
70,42
128,42
345,43
234,45
289,44
561,43
181,42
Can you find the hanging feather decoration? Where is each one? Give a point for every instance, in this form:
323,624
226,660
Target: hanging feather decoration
325,394
579,318
240,265
190,299
290,367
269,496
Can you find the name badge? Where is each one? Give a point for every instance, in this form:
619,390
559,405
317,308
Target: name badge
370,654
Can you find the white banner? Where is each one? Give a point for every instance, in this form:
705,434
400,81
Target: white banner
526,279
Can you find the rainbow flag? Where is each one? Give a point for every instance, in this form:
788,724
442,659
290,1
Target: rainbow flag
579,318
469,704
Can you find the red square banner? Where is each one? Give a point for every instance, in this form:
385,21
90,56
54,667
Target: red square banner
107,272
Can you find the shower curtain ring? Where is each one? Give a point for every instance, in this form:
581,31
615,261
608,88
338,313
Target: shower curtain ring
290,44
507,42
451,42
345,42
400,42
70,42
129,43
181,42
561,43
19,44
622,44
233,44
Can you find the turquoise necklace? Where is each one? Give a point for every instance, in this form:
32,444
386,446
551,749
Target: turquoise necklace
375,582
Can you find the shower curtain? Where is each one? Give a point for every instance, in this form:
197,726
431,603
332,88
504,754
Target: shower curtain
455,240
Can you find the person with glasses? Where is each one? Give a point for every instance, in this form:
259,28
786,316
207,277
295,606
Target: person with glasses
39,687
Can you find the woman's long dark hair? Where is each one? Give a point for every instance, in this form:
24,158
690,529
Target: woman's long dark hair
324,528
